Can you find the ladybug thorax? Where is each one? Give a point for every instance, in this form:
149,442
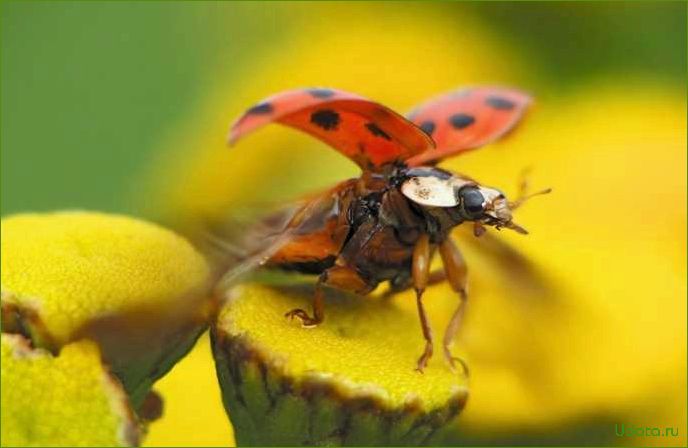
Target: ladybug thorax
433,187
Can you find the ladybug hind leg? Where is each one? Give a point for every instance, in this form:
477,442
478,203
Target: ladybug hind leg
338,276
420,271
318,308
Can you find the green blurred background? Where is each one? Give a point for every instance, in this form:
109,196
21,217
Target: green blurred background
90,88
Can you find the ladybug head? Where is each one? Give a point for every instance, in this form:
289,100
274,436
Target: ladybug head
464,199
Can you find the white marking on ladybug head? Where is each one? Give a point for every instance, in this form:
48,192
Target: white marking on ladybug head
496,204
433,187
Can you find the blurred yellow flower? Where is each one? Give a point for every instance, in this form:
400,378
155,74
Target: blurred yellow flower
193,414
605,341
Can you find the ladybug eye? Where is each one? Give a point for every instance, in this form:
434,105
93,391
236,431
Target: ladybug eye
472,201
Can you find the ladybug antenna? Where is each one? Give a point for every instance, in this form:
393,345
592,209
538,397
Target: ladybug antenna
523,198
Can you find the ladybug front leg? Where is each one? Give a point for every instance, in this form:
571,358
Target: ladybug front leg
420,270
456,270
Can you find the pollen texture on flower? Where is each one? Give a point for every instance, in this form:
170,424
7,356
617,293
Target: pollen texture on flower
64,400
71,267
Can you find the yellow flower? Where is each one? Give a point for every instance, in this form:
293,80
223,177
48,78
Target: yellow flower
68,400
75,266
134,287
350,381
378,347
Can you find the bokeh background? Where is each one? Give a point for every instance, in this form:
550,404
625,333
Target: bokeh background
124,107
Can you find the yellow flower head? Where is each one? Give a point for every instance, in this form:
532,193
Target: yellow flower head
367,348
135,288
72,267
68,400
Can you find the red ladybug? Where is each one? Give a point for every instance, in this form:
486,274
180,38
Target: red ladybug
387,224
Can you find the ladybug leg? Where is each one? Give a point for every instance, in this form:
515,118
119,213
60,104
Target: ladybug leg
338,276
318,308
456,270
420,271
478,229
341,276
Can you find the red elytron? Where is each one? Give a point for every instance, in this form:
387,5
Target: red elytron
387,224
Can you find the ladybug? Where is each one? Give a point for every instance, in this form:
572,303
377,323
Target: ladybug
387,224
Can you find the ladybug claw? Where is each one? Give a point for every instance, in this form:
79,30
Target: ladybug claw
423,360
452,361
306,320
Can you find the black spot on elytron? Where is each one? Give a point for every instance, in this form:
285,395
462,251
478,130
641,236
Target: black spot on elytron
461,121
261,109
428,127
321,93
376,131
326,119
500,103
